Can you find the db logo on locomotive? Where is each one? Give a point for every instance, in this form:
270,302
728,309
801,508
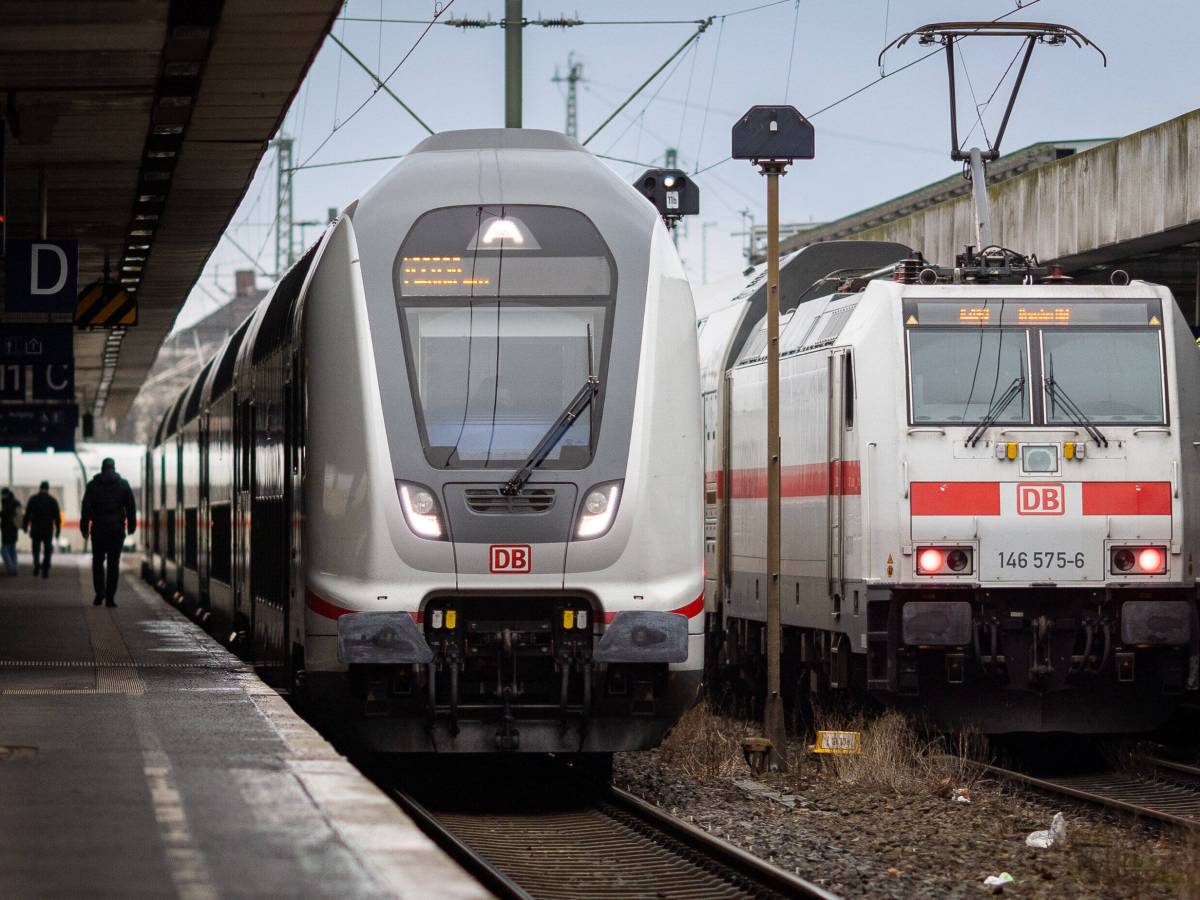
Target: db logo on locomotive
514,559
1041,500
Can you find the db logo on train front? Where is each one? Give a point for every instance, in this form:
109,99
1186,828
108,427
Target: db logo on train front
510,559
1041,500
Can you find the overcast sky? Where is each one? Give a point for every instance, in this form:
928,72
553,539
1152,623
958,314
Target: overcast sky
887,140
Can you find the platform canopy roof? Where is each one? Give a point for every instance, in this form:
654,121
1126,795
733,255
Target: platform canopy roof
134,127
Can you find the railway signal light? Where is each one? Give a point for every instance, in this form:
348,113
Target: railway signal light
772,137
673,193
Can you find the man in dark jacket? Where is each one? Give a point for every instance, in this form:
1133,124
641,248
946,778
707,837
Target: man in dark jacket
108,515
43,521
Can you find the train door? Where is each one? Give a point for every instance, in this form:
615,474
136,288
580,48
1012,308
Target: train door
204,515
293,417
724,486
835,557
243,601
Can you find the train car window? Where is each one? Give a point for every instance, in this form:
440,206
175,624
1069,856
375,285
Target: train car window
246,439
848,389
955,375
223,378
173,422
505,311
273,329
193,403
221,547
1114,375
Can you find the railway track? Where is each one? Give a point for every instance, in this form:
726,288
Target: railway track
603,843
1160,790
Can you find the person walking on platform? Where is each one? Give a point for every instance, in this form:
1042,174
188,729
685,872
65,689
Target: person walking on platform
43,521
10,517
108,515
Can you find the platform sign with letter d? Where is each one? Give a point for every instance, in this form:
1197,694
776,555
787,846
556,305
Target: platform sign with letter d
42,276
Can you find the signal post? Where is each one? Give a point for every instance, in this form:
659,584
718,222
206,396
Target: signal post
772,137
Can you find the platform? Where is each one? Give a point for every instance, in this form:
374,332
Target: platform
139,758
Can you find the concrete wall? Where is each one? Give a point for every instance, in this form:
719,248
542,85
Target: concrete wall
1141,192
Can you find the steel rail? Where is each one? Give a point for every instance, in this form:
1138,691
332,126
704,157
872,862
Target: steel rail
1139,795
490,876
730,855
626,846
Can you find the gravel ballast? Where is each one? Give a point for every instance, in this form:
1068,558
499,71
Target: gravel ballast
866,839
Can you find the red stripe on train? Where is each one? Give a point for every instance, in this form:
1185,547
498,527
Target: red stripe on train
809,480
955,498
982,498
323,607
688,610
1126,498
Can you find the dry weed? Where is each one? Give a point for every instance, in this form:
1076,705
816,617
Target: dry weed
896,758
704,744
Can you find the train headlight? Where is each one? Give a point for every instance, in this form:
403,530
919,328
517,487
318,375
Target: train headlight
1138,560
421,511
1039,459
598,511
945,560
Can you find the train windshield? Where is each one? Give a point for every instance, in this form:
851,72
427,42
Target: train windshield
958,375
1113,376
505,312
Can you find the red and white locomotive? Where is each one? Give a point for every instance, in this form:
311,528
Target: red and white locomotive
991,490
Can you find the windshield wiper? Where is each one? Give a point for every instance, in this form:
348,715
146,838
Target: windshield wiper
553,435
1014,390
1058,395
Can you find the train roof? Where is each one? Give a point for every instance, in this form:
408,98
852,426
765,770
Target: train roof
497,139
810,272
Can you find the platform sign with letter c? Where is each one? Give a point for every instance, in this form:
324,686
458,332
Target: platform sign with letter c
41,357
41,276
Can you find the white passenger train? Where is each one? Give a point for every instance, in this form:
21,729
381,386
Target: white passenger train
447,476
991,491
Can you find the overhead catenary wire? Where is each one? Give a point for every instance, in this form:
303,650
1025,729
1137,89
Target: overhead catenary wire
787,79
687,94
875,81
712,77
691,40
992,96
382,82
347,162
639,118
379,85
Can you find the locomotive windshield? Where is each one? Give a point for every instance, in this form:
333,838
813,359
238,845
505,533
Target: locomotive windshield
1114,376
505,311
1055,363
957,375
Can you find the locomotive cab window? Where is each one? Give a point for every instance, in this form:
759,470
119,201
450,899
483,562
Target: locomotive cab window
1114,376
1016,361
956,375
506,312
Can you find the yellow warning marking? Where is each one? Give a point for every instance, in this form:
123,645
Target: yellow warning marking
889,559
838,742
911,320
1154,320
116,303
